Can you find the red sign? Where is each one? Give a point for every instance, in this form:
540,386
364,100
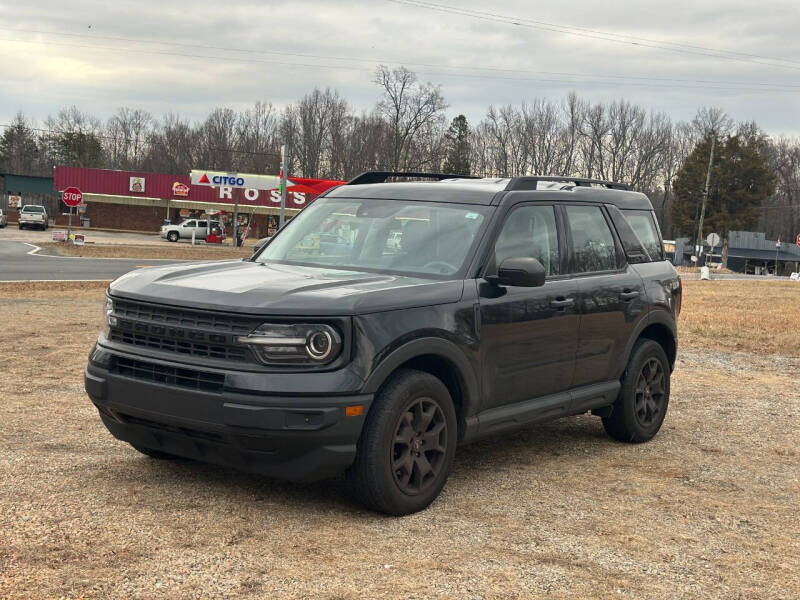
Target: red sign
72,196
798,239
180,189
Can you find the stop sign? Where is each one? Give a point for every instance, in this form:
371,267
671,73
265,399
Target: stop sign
72,196
798,239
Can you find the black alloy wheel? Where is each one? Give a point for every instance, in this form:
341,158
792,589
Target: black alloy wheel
649,399
407,444
419,446
641,406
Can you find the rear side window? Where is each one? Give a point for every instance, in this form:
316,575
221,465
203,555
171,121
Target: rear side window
643,224
593,246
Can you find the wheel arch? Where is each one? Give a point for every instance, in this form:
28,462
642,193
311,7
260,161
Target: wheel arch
442,359
659,326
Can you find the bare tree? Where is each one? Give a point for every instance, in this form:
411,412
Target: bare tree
125,137
409,108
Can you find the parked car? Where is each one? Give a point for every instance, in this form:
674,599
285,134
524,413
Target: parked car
184,230
502,304
32,215
3,219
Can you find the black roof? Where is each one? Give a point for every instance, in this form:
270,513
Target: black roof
491,191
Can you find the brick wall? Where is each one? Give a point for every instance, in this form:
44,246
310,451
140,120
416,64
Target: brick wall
121,216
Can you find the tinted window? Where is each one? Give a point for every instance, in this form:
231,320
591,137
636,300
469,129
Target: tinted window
33,209
593,245
203,224
644,226
189,224
529,232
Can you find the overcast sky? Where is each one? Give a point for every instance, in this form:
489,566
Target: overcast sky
189,57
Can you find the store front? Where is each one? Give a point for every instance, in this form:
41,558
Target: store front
139,201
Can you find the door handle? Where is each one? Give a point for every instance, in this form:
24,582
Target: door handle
629,295
562,303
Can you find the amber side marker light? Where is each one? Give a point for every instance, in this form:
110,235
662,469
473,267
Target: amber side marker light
354,411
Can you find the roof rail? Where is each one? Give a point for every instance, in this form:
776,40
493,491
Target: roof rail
529,183
382,176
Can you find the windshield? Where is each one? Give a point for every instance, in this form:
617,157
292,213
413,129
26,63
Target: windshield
418,238
33,209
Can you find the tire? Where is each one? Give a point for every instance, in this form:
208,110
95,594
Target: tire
410,402
642,403
155,453
173,236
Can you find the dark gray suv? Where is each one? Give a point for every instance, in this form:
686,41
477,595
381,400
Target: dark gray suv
442,312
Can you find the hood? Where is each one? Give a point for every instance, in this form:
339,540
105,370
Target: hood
248,287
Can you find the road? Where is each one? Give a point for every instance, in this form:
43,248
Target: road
17,264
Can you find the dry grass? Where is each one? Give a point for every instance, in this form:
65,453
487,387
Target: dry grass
168,250
707,509
746,316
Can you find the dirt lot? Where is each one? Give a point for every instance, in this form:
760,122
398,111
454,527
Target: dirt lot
707,509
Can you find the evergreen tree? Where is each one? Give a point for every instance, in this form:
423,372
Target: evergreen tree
18,150
458,149
740,180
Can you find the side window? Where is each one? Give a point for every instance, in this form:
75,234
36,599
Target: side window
644,226
202,224
593,246
529,231
190,224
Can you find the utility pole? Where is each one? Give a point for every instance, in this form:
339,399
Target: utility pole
284,163
705,196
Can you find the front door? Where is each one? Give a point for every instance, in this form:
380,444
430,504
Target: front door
528,335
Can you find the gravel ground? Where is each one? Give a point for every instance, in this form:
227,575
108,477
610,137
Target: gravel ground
707,509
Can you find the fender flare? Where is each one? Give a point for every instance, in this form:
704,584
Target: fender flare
430,345
654,317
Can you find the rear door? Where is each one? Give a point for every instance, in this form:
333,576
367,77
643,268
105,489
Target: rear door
611,294
528,334
187,227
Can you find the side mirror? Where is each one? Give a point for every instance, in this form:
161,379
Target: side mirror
520,272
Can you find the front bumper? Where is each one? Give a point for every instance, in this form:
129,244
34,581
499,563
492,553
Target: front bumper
300,438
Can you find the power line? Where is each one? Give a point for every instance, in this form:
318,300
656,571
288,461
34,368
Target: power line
603,35
603,80
373,60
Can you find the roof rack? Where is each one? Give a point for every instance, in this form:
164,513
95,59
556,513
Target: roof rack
382,176
529,183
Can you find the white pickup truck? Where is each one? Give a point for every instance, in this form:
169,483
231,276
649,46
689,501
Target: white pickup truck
33,216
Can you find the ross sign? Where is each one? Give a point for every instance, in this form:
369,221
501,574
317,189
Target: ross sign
234,180
136,184
180,189
78,239
72,196
59,235
16,202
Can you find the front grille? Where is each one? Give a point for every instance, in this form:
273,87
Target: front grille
156,373
177,345
182,331
136,311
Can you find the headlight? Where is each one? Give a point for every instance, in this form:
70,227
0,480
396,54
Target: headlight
308,344
109,320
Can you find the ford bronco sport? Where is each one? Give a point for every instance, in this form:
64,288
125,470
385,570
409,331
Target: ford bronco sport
446,311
